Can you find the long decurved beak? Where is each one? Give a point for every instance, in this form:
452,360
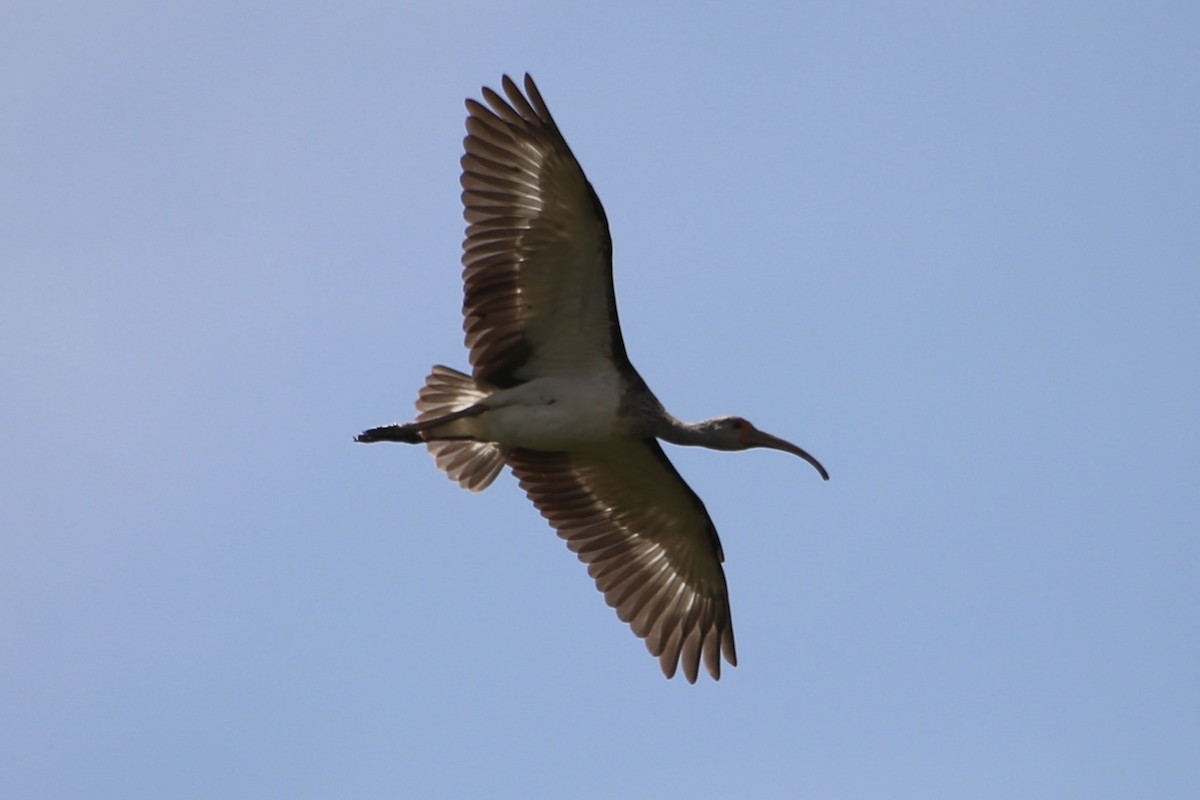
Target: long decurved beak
757,438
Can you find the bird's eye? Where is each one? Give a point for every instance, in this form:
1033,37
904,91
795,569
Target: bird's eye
737,424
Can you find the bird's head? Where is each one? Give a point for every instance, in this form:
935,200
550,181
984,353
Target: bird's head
736,433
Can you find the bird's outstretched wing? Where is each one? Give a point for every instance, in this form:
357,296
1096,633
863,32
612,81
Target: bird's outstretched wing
648,543
537,259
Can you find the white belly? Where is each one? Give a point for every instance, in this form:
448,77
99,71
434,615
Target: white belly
556,413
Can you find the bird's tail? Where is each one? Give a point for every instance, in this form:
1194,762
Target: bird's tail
471,464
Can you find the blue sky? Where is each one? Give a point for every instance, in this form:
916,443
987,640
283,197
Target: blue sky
951,249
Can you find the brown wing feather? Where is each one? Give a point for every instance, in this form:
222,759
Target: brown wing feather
537,259
648,543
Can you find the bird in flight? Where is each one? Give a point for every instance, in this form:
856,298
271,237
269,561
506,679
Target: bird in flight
552,393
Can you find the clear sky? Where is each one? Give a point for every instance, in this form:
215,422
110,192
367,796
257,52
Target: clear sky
953,249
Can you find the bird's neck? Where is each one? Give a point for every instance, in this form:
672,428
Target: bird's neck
674,431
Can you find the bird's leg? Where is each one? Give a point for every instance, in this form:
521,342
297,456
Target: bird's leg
412,432
391,433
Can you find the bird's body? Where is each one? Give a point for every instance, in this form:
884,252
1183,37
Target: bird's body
559,413
553,395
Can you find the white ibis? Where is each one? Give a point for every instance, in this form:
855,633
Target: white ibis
552,393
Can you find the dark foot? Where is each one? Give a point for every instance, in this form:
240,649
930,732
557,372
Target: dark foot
390,433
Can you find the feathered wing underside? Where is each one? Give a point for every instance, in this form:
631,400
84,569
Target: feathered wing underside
537,259
471,464
648,543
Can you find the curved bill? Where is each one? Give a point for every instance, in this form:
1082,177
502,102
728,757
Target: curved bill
757,438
